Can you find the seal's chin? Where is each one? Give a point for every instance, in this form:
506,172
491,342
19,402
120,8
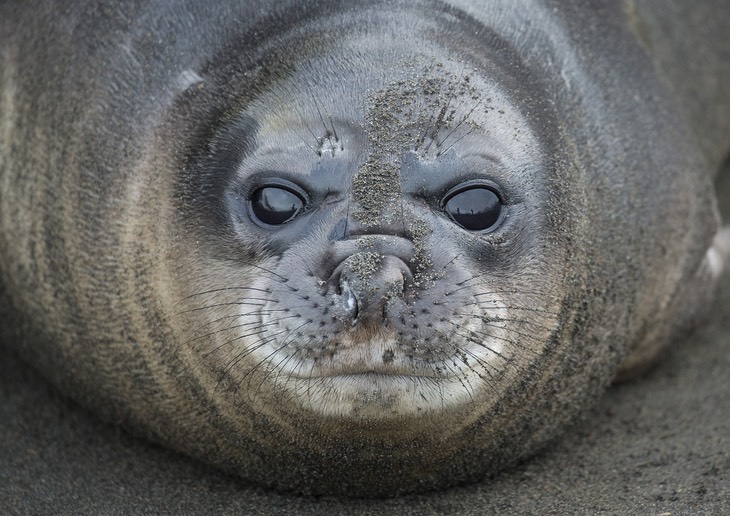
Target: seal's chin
376,395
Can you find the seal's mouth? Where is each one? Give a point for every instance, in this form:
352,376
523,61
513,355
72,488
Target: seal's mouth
379,381
379,358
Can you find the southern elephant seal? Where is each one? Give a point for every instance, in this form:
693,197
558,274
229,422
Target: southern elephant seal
360,248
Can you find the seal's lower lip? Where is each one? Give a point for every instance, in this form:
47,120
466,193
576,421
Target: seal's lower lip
371,369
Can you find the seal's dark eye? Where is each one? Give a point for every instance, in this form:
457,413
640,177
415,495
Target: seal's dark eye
475,209
275,205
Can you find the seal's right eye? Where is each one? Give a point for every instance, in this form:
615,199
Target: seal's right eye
475,208
275,205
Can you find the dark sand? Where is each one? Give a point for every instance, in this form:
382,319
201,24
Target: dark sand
657,445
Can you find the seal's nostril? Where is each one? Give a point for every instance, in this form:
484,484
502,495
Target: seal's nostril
349,301
367,284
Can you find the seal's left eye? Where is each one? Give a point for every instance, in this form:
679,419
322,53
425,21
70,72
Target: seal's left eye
475,209
274,205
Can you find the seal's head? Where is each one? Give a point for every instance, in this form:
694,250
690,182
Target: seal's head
381,267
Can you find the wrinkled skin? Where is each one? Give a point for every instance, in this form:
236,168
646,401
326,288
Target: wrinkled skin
371,344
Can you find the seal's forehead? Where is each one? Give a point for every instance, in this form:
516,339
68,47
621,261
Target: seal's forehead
424,105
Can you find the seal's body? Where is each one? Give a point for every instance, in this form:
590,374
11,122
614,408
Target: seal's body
358,248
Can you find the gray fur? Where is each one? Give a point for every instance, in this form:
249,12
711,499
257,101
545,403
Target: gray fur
369,347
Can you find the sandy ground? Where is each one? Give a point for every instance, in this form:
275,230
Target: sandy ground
658,445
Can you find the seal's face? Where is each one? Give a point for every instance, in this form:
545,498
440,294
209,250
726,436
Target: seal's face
401,241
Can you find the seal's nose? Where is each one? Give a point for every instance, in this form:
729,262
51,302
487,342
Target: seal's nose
368,282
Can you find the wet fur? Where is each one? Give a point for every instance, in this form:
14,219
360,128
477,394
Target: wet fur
122,125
